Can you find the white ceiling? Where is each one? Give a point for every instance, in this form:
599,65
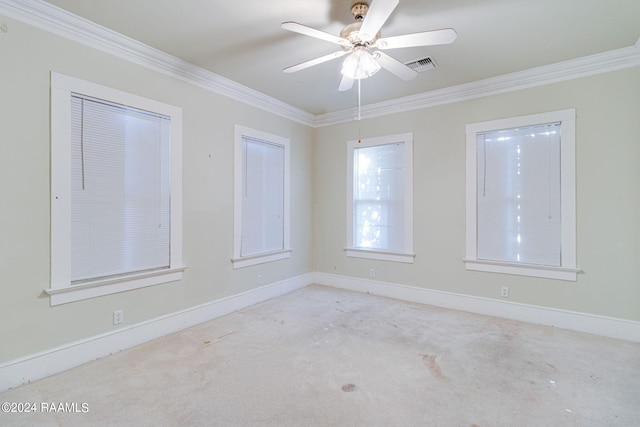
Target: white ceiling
243,41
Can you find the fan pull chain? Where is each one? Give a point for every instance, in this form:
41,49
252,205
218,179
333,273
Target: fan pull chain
359,115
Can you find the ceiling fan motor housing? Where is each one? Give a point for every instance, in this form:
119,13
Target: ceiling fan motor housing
351,32
363,44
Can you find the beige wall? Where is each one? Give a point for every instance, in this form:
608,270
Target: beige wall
608,196
28,324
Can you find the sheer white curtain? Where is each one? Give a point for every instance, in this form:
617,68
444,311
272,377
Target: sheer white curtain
378,197
120,198
518,195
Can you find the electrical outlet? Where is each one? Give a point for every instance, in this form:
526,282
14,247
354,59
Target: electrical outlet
372,273
118,316
504,292
258,279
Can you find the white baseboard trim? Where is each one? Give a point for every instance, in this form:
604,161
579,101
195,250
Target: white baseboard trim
58,359
628,330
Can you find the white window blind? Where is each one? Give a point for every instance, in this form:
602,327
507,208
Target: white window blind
378,197
120,196
518,195
263,197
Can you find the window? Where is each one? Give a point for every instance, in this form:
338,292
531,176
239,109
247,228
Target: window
116,191
521,196
380,198
261,228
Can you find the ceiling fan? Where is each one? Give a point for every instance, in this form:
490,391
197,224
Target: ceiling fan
363,42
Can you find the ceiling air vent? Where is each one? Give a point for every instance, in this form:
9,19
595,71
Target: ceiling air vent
421,65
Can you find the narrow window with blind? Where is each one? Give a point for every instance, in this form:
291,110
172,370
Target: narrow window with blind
521,196
115,222
380,198
120,190
261,229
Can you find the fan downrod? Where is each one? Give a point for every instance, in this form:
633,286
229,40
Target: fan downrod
352,31
359,10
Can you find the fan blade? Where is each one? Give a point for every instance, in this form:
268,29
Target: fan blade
308,31
394,66
376,16
346,83
426,38
316,61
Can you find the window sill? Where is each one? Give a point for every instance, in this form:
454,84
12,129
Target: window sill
260,258
97,288
380,255
543,271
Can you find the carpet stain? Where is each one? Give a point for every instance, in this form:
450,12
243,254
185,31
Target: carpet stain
433,367
348,388
207,342
221,337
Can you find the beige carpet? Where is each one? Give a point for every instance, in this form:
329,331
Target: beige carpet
325,357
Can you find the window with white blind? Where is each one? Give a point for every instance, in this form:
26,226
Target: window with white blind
521,196
380,198
116,221
261,229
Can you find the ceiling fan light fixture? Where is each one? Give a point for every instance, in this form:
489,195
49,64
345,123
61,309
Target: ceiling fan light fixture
360,64
362,42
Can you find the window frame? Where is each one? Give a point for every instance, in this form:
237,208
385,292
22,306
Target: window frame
61,289
238,260
407,255
568,270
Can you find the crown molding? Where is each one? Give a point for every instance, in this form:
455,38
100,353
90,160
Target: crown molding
48,17
617,59
60,22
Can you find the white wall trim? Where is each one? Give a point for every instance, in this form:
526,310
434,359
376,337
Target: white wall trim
48,17
60,22
67,356
582,322
36,366
604,62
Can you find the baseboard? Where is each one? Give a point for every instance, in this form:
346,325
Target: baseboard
628,330
55,360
